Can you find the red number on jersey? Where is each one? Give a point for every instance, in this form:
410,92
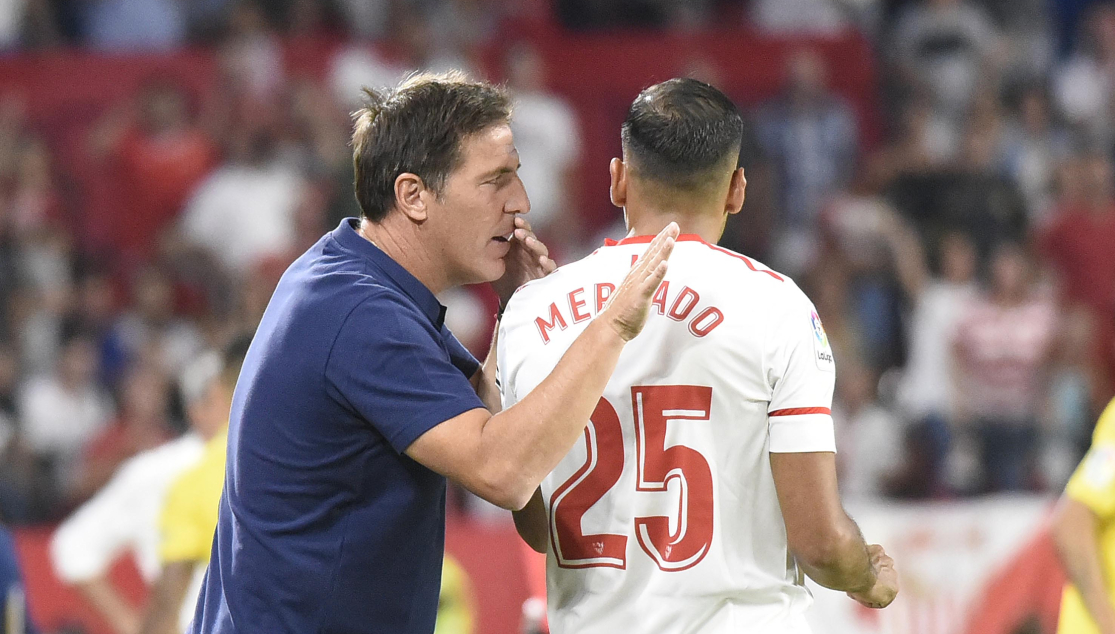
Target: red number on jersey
657,465
689,542
602,468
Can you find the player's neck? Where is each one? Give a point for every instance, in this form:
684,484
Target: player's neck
648,222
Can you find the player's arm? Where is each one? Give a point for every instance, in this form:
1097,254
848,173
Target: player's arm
167,595
826,543
504,457
531,522
122,617
1088,502
1075,530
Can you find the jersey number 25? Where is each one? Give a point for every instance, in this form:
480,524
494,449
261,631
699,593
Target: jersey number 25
656,465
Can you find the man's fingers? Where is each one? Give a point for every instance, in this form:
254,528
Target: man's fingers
548,265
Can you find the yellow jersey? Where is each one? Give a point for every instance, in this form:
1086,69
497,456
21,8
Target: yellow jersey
455,611
1093,485
189,516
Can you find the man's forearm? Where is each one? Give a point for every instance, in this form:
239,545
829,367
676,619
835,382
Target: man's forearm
1075,534
532,436
167,595
532,524
121,616
843,564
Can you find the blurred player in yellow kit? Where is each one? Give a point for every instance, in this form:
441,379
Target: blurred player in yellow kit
1084,530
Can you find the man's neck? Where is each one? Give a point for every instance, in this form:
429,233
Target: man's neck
649,222
404,247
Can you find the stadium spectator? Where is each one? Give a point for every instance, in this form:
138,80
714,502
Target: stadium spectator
1003,344
926,393
809,135
150,332
122,518
1033,145
243,213
868,436
141,424
156,152
549,143
1084,84
948,49
62,411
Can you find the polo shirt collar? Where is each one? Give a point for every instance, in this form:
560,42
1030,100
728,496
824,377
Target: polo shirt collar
346,234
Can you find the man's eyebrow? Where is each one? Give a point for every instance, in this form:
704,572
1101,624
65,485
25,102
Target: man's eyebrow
500,171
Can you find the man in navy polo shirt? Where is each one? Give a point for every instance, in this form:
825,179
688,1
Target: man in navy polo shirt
355,401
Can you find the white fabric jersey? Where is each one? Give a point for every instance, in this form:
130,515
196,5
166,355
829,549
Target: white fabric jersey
124,515
665,518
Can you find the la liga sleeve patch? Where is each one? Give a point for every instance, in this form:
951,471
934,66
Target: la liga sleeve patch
822,351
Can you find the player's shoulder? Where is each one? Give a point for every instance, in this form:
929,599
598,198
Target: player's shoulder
746,276
558,281
1105,426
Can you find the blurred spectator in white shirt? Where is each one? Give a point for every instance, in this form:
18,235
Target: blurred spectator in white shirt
1004,343
243,213
811,137
549,143
62,411
1033,147
947,47
124,516
868,436
1084,85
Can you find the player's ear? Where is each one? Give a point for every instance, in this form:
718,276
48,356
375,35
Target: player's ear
618,189
409,198
737,192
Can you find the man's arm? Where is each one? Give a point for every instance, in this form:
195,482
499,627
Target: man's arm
504,457
826,543
103,596
532,524
167,595
1075,531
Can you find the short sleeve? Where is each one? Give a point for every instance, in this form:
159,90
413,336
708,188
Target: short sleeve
801,373
185,534
91,539
392,368
1093,482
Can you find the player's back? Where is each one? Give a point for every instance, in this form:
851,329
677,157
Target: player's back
666,517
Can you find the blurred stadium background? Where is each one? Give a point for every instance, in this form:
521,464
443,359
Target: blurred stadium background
936,174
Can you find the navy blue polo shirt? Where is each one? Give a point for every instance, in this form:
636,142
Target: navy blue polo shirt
326,526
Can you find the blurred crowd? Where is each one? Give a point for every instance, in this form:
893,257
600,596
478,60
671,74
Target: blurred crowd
961,264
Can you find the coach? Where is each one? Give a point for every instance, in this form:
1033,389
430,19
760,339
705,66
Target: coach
355,401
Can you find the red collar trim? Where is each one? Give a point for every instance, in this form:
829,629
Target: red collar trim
685,237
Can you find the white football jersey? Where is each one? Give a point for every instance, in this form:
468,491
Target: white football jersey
665,518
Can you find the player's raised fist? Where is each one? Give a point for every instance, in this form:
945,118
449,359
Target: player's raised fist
886,580
628,307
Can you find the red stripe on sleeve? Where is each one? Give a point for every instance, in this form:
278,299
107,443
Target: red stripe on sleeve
798,411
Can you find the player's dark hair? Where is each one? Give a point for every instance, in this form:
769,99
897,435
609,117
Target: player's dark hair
417,128
681,132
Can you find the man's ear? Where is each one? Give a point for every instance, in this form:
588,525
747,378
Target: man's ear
618,189
737,192
408,196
